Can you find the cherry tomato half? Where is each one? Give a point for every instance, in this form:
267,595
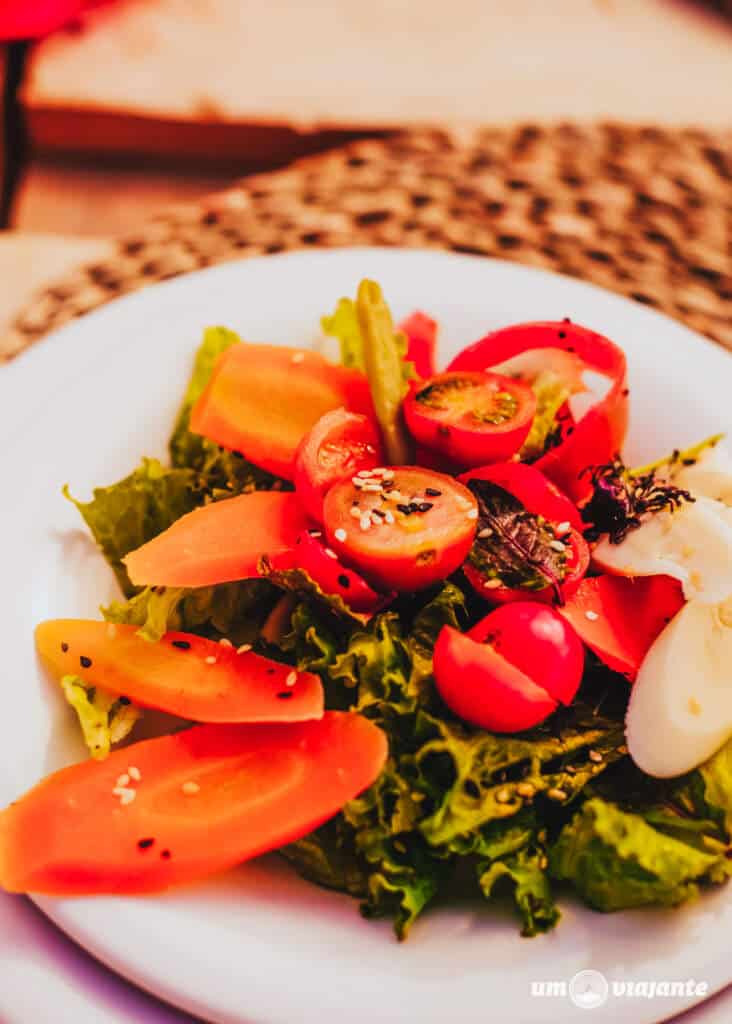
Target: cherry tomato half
403,528
473,418
339,444
512,670
540,497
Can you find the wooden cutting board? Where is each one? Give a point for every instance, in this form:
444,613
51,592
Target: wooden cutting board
241,80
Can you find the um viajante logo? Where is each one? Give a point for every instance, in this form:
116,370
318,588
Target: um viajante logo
590,989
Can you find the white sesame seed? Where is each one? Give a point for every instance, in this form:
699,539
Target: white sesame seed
298,357
364,474
379,471
315,533
562,528
244,648
525,789
127,797
503,796
492,584
375,519
595,756
394,495
486,532
329,551
190,788
291,679
372,487
389,517
365,522
134,773
355,511
471,513
556,545
388,474
357,482
123,780
340,534
556,794
592,616
224,642
124,793
210,660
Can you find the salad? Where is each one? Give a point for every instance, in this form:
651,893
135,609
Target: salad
406,627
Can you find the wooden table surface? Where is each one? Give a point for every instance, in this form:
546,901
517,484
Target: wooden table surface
661,60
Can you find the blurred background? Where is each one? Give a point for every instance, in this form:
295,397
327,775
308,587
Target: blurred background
114,108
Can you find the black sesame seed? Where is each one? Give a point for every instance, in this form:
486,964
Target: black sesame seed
432,492
64,647
566,320
405,509
425,506
165,854
562,334
285,695
443,431
183,645
85,662
378,512
344,581
270,671
145,844
125,700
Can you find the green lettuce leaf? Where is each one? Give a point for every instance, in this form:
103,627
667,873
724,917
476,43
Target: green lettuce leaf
343,325
525,871
473,777
668,464
369,342
105,719
131,512
328,858
187,449
551,394
232,610
616,860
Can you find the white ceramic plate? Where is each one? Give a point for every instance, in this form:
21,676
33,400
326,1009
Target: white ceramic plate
259,944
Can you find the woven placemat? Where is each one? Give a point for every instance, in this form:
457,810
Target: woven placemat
642,211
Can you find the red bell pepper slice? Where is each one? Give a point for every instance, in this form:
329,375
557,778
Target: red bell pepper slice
619,617
421,332
600,433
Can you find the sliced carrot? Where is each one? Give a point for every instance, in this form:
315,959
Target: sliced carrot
219,543
203,800
184,674
262,400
